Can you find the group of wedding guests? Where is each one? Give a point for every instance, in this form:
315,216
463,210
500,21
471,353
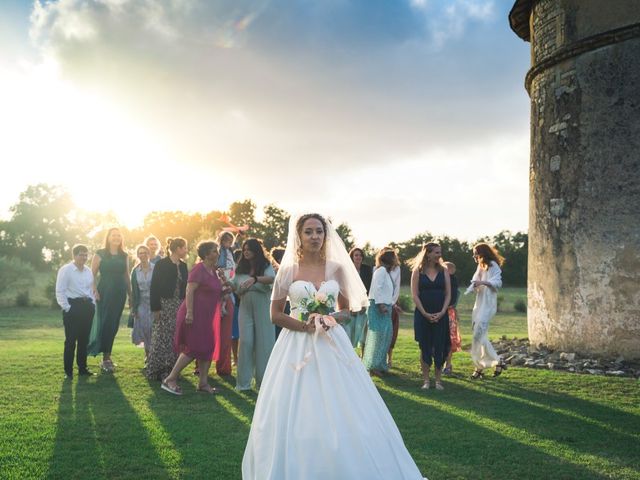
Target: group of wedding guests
434,289
221,308
217,310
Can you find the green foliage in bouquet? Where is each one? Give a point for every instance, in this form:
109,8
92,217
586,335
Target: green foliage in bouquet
316,302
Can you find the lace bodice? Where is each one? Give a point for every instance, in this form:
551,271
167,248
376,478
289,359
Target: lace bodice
301,289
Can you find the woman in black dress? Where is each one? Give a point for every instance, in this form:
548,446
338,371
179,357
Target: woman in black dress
431,290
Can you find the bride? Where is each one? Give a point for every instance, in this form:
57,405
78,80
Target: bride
318,414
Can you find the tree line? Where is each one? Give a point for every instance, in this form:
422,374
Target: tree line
45,223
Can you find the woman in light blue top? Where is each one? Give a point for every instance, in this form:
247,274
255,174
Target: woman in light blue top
252,282
141,300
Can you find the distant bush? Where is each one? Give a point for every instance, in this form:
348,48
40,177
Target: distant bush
520,305
406,302
23,299
15,274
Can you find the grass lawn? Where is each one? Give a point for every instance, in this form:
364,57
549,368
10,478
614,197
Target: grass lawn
526,424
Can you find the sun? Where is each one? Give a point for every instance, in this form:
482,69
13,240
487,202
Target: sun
108,159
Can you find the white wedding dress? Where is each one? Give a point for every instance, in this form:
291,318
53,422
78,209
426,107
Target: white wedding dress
319,415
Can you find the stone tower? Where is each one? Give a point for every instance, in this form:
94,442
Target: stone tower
584,199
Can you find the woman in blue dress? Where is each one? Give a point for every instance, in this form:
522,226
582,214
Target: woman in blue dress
431,290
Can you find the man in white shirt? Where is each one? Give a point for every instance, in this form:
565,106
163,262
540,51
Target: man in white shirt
74,293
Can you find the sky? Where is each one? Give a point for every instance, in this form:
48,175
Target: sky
395,116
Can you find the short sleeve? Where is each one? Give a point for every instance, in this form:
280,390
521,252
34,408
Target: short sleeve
269,271
283,281
195,275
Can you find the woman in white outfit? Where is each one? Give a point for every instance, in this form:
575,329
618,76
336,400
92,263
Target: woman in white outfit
318,414
485,282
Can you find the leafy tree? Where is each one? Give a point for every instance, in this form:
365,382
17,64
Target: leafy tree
43,226
244,213
344,230
273,229
369,253
212,222
175,224
407,250
514,248
459,253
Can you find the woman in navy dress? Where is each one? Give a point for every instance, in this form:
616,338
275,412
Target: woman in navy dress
431,289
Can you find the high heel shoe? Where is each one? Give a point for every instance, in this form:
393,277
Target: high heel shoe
477,374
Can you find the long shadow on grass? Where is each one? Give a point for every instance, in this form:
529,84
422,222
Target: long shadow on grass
209,432
570,423
455,442
625,424
527,434
99,435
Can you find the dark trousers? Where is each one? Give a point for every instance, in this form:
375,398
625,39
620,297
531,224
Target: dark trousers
77,326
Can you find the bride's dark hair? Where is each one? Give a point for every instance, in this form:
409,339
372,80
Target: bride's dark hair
300,224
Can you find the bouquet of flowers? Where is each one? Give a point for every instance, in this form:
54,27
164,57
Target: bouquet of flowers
316,302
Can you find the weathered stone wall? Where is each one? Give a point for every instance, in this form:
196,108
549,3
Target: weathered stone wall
584,225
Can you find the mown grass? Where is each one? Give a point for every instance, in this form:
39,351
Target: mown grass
524,424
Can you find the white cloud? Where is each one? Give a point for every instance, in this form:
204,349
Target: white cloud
267,100
451,22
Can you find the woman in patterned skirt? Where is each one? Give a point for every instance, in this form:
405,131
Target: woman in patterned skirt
168,288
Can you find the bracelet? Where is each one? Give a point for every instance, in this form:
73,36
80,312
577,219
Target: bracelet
304,327
255,278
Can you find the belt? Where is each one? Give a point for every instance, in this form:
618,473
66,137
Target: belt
80,300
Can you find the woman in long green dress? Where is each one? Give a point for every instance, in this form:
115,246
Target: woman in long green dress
110,267
253,282
380,330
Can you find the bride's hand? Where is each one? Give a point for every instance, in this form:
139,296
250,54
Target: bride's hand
311,322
